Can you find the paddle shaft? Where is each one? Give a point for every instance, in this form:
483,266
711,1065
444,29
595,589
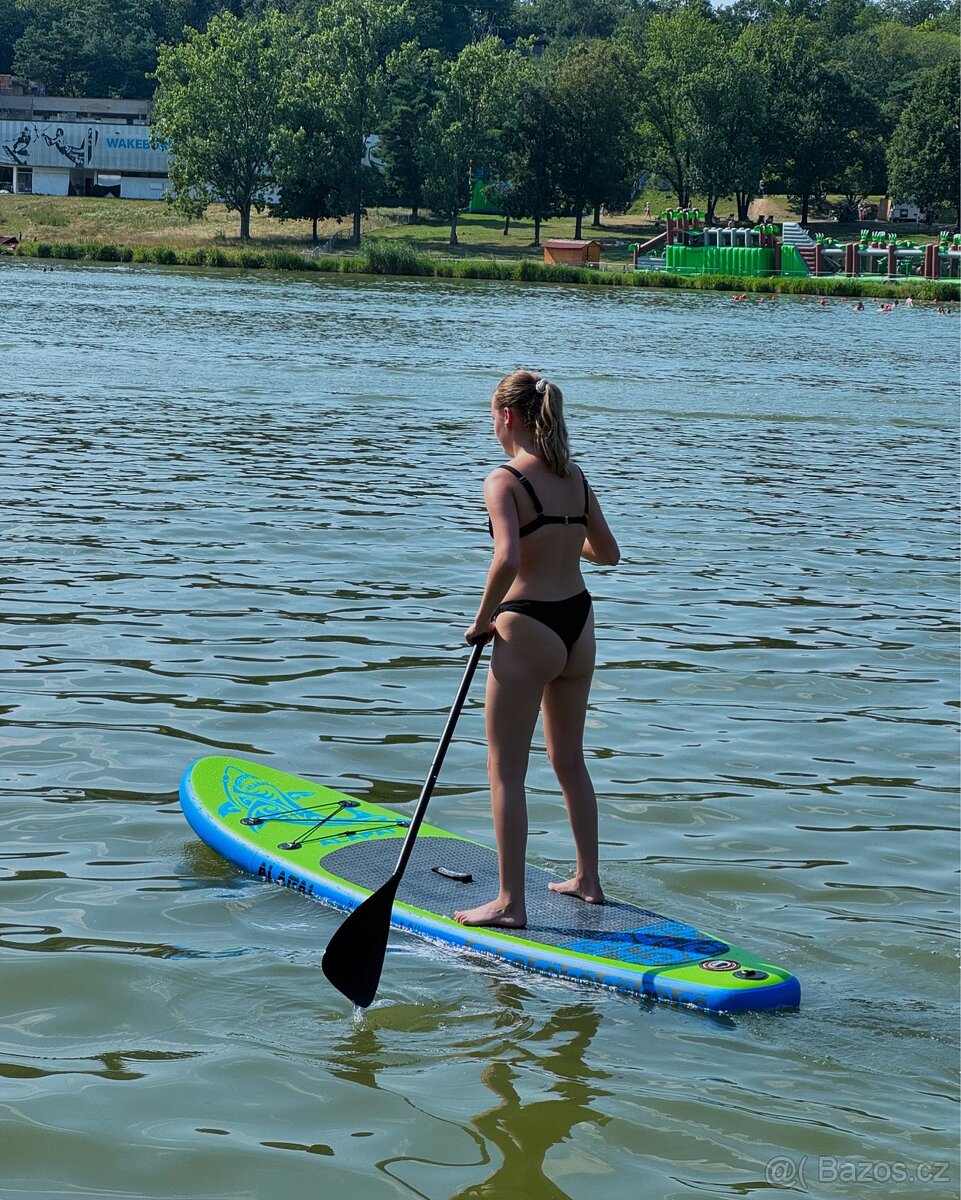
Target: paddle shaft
354,957
424,799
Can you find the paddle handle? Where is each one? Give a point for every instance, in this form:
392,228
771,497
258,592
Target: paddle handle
425,794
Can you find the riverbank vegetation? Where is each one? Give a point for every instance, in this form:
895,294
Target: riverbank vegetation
567,108
402,259
486,235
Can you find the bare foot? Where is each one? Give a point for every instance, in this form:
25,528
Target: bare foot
591,893
494,913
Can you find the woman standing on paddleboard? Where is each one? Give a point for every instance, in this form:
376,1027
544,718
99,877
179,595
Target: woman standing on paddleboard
544,518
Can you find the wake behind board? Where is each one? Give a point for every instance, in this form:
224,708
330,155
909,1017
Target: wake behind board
331,846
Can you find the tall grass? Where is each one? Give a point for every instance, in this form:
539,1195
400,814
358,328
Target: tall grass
394,256
401,258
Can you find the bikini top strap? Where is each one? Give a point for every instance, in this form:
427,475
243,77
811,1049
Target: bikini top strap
587,494
538,507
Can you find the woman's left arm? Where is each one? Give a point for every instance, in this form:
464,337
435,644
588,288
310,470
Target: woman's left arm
600,545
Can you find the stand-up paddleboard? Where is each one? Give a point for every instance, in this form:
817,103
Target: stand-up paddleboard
331,846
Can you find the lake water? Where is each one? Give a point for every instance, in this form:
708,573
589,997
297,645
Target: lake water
243,514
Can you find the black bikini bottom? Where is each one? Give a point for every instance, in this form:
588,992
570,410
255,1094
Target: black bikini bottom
566,618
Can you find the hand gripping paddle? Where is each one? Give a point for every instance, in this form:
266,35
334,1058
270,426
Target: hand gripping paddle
354,957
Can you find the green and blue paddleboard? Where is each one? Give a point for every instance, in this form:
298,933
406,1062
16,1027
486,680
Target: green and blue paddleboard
325,844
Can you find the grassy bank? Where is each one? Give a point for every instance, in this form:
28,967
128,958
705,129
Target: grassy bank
395,257
145,223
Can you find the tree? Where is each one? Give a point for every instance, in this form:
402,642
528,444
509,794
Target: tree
885,59
303,147
411,85
594,108
449,25
923,157
726,101
463,131
217,105
863,169
533,140
811,109
13,21
88,48
95,47
579,19
676,47
915,12
347,53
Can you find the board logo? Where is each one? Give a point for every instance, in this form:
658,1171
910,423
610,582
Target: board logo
260,800
288,880
720,964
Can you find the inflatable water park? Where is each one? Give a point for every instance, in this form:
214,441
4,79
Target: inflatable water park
688,247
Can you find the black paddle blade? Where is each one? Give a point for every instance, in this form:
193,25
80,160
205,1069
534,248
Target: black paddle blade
354,957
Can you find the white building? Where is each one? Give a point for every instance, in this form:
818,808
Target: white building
60,146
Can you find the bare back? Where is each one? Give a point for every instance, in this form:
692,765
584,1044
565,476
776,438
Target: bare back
549,557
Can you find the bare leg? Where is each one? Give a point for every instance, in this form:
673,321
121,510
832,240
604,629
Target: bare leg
565,710
526,654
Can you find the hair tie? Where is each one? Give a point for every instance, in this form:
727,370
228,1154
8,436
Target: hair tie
540,387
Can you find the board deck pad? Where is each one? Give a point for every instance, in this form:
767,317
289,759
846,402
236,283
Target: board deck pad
612,930
328,845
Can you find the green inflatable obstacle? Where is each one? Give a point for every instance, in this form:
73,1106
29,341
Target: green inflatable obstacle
720,260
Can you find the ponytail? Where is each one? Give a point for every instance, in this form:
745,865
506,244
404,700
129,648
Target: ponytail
540,405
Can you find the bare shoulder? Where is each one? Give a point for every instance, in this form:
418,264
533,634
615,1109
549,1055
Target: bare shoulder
498,481
580,473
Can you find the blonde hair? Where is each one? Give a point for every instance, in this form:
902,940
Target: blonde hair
540,405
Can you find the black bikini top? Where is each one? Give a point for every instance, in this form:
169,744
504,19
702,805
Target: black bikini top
543,518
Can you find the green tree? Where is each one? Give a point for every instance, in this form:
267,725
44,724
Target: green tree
95,47
217,104
914,12
676,47
463,130
726,102
303,172
592,94
348,52
304,144
533,143
411,85
88,47
13,21
579,19
449,25
863,170
884,59
811,108
923,157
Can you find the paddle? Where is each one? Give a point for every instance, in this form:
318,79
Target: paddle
354,957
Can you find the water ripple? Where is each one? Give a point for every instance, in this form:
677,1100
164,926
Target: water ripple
243,513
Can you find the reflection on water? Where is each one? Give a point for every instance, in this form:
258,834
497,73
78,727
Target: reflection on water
522,1132
542,1090
244,514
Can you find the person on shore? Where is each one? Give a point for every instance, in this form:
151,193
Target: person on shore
544,518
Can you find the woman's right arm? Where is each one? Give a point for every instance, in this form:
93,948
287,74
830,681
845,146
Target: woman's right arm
600,545
506,557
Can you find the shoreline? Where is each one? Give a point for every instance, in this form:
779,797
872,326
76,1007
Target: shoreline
398,259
